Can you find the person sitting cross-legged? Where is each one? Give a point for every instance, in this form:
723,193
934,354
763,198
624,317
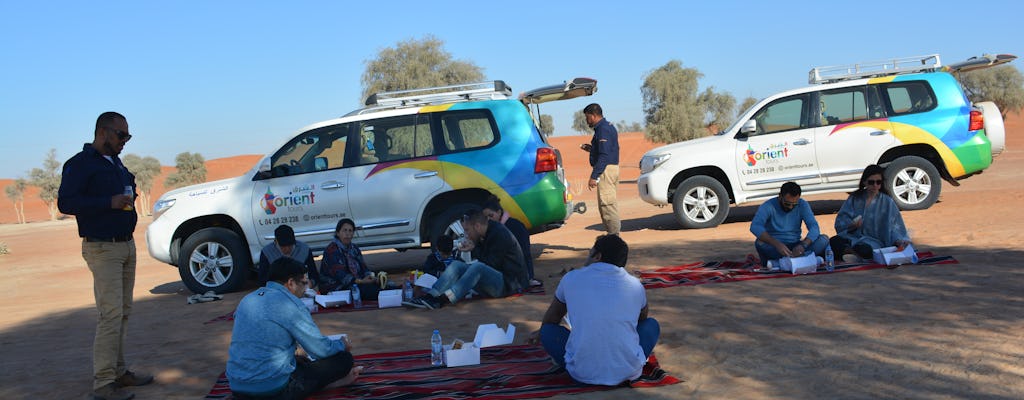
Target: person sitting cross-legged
611,335
498,270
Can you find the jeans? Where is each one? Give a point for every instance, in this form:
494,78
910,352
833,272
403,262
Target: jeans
554,337
767,252
113,283
460,277
309,377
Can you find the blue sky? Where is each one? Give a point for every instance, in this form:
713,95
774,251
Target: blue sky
223,78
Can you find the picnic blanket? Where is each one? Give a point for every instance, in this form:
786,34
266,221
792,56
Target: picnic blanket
371,305
504,372
733,271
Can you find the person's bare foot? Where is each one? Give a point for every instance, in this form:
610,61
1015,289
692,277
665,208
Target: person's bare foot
348,379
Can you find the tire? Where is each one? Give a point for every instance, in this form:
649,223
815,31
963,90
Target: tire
223,271
700,202
440,223
913,182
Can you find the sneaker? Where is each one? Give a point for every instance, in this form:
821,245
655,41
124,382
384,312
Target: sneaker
132,379
111,391
423,302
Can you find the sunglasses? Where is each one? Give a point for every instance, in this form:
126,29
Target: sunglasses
873,181
123,135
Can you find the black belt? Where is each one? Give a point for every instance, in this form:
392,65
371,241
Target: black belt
114,239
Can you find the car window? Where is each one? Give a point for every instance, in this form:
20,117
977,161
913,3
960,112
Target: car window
315,150
782,115
843,105
395,138
467,129
909,97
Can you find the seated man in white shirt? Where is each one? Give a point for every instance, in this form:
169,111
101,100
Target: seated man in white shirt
611,336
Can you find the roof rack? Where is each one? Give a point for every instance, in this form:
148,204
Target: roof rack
906,65
493,90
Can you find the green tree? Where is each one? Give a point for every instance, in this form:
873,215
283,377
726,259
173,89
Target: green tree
673,109
47,179
146,170
191,170
16,192
415,64
1003,85
746,104
547,125
579,123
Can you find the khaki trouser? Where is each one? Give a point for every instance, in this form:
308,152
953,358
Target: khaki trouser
113,277
607,200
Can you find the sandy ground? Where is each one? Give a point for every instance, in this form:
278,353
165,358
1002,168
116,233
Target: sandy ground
923,332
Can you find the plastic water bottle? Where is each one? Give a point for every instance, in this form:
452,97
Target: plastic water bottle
407,290
436,348
830,259
357,299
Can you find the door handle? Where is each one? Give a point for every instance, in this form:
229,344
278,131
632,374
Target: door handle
880,133
802,142
425,174
332,185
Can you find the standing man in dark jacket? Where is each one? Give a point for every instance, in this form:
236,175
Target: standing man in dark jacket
604,158
498,269
99,191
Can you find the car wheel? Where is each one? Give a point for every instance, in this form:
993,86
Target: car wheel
214,259
700,202
913,182
440,223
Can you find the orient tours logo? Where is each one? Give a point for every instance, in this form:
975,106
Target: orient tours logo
773,152
271,202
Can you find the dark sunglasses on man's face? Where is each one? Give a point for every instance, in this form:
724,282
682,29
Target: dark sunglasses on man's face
123,135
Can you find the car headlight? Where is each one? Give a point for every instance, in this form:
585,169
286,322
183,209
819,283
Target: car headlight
161,206
649,163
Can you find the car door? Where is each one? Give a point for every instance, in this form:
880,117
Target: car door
852,132
397,172
306,187
781,149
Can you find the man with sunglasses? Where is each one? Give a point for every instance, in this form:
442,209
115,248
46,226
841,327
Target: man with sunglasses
99,191
777,227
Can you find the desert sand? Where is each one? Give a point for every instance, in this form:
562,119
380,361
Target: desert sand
923,332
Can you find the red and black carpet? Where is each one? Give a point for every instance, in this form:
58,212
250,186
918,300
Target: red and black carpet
504,372
732,271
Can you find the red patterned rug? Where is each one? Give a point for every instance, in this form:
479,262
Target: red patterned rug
369,305
504,372
732,271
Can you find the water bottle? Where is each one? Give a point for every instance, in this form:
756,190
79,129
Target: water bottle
436,348
357,299
830,259
407,290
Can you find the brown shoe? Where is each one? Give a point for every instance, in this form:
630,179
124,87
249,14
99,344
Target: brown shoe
111,391
132,379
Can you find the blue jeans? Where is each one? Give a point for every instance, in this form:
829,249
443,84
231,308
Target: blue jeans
767,252
460,277
554,337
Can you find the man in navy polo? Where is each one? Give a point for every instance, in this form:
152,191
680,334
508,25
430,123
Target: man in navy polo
99,191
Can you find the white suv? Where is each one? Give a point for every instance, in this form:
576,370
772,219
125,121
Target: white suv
916,121
404,167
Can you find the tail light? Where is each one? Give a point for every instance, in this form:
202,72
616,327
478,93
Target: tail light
977,121
547,161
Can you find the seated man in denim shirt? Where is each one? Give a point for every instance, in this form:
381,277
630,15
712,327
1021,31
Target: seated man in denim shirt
498,269
262,362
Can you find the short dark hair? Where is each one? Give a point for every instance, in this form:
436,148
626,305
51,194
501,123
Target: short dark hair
593,109
474,215
342,223
284,235
790,188
285,268
107,118
613,249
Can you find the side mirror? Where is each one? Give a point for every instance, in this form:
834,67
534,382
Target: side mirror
320,163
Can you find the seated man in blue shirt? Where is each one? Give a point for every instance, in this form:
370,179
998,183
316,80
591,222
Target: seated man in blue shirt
262,363
777,227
